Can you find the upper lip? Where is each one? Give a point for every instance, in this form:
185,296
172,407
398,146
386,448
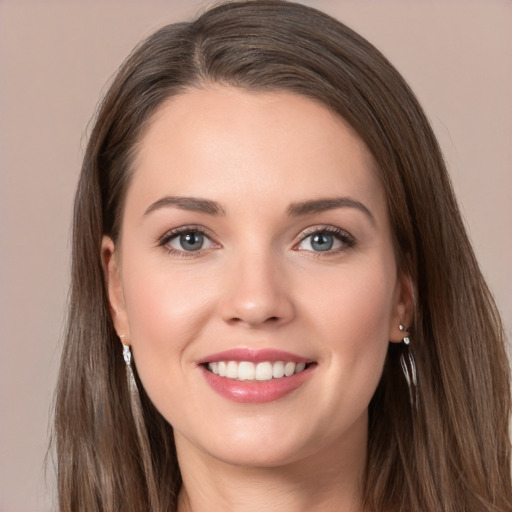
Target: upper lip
254,355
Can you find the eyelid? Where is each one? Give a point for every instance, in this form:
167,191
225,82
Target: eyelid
347,239
342,235
164,240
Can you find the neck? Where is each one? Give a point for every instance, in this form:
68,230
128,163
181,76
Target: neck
329,480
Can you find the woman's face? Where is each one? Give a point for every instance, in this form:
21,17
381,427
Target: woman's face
256,241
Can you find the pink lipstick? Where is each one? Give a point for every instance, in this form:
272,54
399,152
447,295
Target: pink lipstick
255,376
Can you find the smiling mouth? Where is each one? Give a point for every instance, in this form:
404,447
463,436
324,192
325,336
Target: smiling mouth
249,371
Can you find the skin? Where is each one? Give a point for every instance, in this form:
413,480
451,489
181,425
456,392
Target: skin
258,283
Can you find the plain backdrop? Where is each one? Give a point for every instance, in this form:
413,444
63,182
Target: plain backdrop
55,61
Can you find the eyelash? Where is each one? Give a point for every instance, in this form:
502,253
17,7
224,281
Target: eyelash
173,233
346,239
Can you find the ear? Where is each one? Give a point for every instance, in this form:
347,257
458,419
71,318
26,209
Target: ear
403,308
114,284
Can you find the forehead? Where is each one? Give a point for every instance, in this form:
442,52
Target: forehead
257,147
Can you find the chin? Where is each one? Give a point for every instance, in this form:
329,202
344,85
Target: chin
256,455
270,442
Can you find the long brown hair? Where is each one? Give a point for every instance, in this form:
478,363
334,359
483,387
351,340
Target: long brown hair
452,454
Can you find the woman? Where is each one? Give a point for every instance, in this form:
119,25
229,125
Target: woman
274,302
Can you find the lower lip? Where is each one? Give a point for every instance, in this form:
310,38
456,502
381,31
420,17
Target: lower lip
255,391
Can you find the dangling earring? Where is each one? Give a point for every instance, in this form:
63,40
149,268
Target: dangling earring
127,356
409,368
140,426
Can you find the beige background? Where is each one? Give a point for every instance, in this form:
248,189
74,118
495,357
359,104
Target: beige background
55,59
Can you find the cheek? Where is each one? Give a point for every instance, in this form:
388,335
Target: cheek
165,301
167,311
353,319
356,303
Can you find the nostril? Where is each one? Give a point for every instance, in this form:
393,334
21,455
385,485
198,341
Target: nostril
270,320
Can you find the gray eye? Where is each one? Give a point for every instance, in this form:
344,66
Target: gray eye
322,242
190,241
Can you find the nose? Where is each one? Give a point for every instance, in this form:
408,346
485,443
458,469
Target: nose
257,293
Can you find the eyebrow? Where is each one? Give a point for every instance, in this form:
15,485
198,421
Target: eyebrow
294,210
322,205
187,203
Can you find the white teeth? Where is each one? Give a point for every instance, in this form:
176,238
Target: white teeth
299,367
264,371
246,370
232,370
289,369
278,370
